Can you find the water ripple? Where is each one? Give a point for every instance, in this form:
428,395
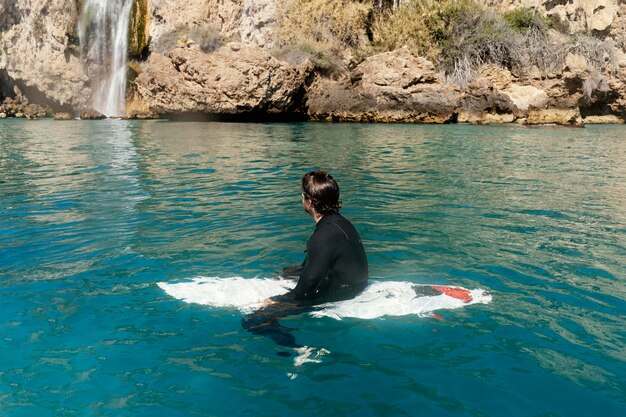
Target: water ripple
94,214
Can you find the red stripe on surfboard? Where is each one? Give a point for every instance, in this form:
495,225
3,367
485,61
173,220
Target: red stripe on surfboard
455,292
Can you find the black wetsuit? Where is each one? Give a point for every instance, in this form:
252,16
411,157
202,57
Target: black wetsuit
336,265
335,269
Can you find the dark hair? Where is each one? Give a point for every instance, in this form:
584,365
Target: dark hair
323,191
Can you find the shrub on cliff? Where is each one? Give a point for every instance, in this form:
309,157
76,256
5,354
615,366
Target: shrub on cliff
457,35
460,35
168,40
601,54
321,30
523,19
340,23
206,36
323,56
531,29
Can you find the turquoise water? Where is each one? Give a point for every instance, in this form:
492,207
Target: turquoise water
95,214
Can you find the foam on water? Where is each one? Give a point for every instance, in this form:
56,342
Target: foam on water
379,299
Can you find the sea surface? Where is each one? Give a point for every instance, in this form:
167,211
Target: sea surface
93,215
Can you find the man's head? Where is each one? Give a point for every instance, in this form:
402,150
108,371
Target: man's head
322,191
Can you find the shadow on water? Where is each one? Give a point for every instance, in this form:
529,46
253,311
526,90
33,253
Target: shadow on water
264,322
243,117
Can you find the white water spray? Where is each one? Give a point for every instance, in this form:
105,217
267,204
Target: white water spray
103,34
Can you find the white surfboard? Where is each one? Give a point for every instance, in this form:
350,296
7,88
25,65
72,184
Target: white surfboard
378,299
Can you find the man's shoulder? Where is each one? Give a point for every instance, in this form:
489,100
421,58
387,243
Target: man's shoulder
333,226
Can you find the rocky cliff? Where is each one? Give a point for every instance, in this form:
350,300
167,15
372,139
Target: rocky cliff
604,16
39,51
219,58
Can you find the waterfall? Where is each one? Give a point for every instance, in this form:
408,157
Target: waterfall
103,34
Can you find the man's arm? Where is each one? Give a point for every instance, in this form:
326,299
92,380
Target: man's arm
319,260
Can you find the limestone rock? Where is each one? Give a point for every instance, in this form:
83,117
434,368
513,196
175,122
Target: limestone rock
599,14
501,78
63,116
38,50
91,114
257,20
485,118
481,96
575,66
250,21
138,110
21,108
525,97
396,69
564,117
605,119
393,87
235,79
582,15
618,86
564,88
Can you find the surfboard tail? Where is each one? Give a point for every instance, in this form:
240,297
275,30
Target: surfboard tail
459,293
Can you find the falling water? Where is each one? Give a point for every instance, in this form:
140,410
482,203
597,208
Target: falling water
103,34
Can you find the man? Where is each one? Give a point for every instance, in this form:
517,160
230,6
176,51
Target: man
335,267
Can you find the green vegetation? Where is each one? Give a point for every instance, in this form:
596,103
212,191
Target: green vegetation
133,71
525,19
458,36
137,31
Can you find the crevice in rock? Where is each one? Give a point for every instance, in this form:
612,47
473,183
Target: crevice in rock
596,109
6,85
35,96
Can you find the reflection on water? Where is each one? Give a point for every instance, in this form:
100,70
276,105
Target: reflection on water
94,214
74,186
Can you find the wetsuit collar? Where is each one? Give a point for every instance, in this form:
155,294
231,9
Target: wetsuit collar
326,219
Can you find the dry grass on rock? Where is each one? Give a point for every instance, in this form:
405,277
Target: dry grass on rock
207,37
321,31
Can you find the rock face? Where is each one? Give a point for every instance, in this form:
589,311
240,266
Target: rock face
389,87
235,79
91,114
39,55
20,107
248,21
482,96
63,116
526,97
582,15
565,117
38,50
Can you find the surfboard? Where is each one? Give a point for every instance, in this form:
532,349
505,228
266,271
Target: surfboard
379,299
